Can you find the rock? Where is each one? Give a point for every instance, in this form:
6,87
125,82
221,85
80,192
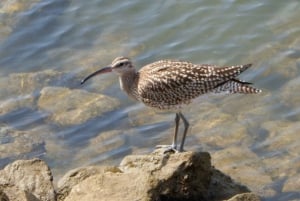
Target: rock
180,176
288,95
13,104
73,177
157,176
9,10
245,103
71,107
13,6
245,197
242,163
283,136
292,184
223,187
30,179
15,194
281,148
145,115
28,83
232,156
16,144
216,129
19,90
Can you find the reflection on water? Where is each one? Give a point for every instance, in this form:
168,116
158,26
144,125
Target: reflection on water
47,47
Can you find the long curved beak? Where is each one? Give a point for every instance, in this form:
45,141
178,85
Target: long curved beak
98,72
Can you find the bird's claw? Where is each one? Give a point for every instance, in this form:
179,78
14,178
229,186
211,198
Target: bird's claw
168,148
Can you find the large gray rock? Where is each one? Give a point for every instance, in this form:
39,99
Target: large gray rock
157,176
27,180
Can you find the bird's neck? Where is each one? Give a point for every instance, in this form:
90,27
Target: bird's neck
128,82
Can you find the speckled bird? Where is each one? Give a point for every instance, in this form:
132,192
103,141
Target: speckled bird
170,84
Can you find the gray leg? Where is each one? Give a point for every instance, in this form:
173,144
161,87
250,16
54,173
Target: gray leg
186,126
174,143
173,146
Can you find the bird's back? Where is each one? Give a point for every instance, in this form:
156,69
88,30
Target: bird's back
166,84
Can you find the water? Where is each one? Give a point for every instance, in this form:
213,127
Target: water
47,47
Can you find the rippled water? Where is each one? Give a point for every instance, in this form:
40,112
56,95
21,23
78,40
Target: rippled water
48,46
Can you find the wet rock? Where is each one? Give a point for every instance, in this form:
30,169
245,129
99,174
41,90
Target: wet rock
27,83
288,95
13,6
71,107
13,104
244,103
15,144
282,166
30,179
145,115
241,163
252,109
232,156
292,184
245,197
215,128
282,135
281,149
9,10
19,90
157,176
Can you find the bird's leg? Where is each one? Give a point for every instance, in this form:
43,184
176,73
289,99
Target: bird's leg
186,126
174,143
173,146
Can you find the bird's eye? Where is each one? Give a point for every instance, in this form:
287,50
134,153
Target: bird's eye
121,64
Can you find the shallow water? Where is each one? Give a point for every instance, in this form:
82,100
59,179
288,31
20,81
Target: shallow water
47,47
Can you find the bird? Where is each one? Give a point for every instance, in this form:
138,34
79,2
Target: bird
169,85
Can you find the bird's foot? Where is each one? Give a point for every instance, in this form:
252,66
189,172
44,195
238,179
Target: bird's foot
168,148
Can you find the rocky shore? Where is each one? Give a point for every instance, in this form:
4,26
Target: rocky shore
156,176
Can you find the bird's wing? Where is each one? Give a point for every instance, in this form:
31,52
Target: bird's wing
169,82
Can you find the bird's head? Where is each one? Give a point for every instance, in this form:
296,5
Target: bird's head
120,65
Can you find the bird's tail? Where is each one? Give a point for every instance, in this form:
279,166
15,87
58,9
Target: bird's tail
236,86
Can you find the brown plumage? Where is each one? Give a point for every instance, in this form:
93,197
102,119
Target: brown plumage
169,84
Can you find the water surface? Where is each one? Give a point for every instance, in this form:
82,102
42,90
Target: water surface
47,47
